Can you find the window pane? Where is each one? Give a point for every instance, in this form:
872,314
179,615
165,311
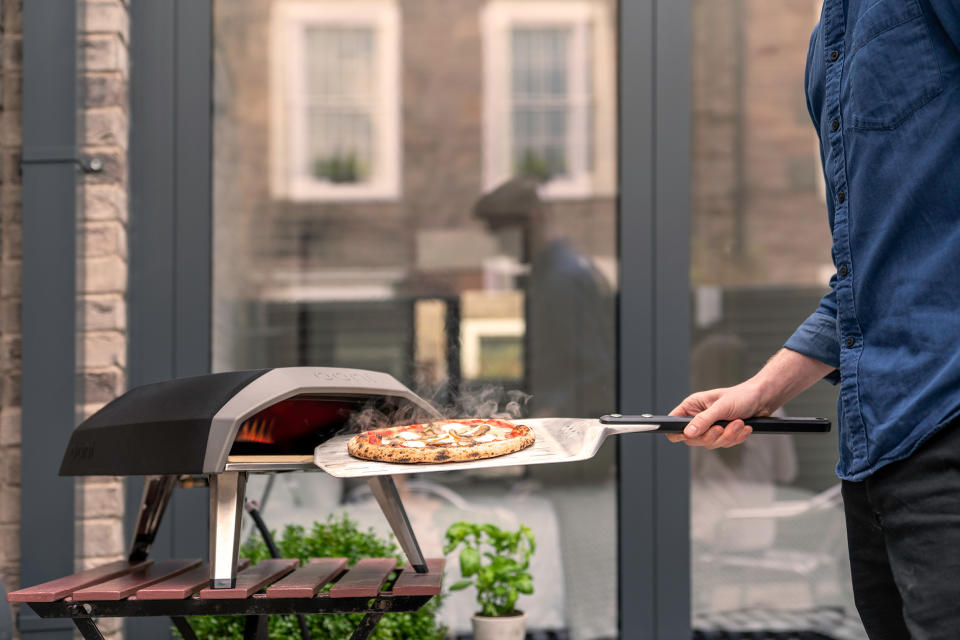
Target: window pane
541,68
479,297
339,76
768,545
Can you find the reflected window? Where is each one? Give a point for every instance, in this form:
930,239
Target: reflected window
335,75
545,107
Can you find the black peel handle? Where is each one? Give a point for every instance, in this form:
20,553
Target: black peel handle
675,424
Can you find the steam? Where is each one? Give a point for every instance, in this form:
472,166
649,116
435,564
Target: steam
489,401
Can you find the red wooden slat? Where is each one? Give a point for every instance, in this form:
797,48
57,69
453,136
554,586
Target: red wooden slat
62,587
183,585
251,580
306,581
364,579
411,583
120,588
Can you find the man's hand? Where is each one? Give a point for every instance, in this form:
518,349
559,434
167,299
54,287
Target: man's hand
783,377
718,404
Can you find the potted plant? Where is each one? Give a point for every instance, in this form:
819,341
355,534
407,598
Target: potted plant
497,563
339,168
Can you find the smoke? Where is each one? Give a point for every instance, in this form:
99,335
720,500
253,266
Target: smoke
487,402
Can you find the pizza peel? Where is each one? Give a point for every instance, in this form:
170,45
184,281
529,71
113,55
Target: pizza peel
558,440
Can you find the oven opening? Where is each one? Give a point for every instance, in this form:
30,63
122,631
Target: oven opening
295,426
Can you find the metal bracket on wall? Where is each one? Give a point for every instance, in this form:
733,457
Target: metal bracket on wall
59,155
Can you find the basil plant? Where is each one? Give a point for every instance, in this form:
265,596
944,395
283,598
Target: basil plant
496,562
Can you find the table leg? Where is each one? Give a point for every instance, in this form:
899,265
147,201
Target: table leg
88,629
367,626
256,628
184,627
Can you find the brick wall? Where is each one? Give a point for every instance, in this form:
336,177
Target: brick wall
102,256
102,271
754,148
10,262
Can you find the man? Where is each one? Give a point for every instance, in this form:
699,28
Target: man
883,90
569,307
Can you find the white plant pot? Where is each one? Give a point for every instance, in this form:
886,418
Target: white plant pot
500,627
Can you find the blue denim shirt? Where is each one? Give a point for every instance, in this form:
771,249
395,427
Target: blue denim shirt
883,90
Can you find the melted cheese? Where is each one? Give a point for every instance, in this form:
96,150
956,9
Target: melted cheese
407,435
415,444
487,437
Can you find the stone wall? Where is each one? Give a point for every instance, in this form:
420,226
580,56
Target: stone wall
101,264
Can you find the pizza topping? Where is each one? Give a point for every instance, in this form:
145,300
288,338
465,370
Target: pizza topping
416,444
406,435
486,437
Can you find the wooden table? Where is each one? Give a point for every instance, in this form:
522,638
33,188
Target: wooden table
180,588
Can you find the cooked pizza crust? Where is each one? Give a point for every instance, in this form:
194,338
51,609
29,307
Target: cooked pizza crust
359,446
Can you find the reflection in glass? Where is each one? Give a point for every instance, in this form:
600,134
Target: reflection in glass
427,188
768,546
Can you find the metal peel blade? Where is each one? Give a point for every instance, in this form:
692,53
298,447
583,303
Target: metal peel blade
558,440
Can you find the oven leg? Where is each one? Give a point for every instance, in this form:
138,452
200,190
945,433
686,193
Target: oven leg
385,491
88,629
156,495
226,508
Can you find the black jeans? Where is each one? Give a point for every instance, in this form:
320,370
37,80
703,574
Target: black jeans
903,532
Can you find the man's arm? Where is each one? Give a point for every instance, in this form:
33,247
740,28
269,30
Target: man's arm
784,376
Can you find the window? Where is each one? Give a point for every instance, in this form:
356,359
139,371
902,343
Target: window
548,113
335,111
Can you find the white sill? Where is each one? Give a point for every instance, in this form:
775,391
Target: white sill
306,190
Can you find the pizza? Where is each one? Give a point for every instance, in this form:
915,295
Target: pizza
442,441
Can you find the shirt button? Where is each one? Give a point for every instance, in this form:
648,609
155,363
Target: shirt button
834,55
841,197
850,342
843,271
835,125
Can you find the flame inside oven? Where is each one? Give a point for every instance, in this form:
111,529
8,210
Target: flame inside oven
292,426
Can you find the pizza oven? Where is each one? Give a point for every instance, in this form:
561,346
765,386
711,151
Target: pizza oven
223,426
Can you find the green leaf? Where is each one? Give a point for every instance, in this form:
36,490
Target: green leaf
461,584
511,598
524,583
469,562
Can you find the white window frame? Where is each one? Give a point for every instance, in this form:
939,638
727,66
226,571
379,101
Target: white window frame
594,85
473,330
288,23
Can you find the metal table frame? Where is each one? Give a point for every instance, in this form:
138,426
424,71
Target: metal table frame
255,608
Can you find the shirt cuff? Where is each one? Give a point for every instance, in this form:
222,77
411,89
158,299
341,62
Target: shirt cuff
817,338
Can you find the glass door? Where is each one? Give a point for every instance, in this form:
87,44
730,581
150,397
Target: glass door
428,188
768,550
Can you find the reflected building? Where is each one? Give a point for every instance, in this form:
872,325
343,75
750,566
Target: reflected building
352,141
